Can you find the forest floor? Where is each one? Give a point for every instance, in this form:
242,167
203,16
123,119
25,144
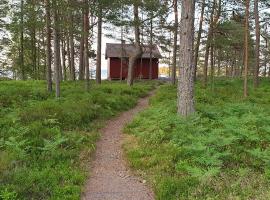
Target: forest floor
111,178
46,143
221,152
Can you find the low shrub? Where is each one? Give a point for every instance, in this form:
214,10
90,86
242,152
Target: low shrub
220,152
45,143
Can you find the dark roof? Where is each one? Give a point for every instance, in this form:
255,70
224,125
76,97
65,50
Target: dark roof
115,50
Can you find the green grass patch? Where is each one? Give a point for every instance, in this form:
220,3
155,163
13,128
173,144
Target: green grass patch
45,144
220,152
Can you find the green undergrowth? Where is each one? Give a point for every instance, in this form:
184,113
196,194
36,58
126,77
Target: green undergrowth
221,152
46,143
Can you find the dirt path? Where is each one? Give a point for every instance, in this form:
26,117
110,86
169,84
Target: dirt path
110,177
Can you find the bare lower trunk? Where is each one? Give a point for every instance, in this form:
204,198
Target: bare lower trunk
86,47
219,64
99,42
208,45
213,24
265,57
246,49
56,50
199,40
175,5
257,48
212,72
138,50
22,41
72,51
69,58
48,47
151,51
60,59
81,61
64,58
186,76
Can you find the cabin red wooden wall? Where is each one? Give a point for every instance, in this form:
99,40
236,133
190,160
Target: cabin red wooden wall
142,68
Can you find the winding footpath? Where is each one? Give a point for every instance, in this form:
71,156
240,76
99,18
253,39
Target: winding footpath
110,177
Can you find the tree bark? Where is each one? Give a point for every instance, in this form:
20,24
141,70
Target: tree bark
186,67
81,59
208,45
86,47
212,63
60,59
197,48
265,56
22,41
56,49
72,51
246,49
213,23
64,58
69,57
175,7
257,47
48,47
138,49
219,63
99,43
151,50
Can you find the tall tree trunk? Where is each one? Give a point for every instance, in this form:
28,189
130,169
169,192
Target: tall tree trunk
213,24
69,57
138,49
64,58
48,46
33,52
56,49
151,49
38,55
71,46
246,49
175,7
186,67
81,51
44,44
265,57
257,48
99,42
212,63
81,59
219,63
60,59
22,41
197,48
86,47
208,45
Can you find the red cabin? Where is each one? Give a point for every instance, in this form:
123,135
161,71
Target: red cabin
118,58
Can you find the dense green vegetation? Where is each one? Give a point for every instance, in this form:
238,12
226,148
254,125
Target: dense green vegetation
221,152
45,143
